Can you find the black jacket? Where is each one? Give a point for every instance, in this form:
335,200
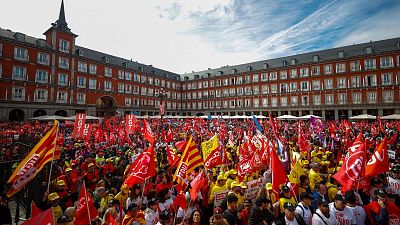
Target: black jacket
257,216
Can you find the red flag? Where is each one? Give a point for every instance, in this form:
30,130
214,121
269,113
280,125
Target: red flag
196,185
85,206
142,168
170,136
161,109
108,125
379,162
173,159
244,167
130,121
148,133
392,140
278,172
87,128
98,135
112,139
179,201
302,142
45,217
80,119
121,132
34,209
353,167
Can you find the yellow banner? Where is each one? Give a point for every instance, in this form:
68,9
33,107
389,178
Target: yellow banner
297,171
209,146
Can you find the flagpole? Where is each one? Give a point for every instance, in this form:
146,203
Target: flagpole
87,203
52,158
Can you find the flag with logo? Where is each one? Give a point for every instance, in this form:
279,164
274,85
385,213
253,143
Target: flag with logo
33,163
45,217
379,162
148,133
80,119
130,122
211,154
143,168
85,209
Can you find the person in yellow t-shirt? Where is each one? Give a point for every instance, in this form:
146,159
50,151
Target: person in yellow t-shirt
286,197
237,189
231,177
314,175
218,187
332,189
123,195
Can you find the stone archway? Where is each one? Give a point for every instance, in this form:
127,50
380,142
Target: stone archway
61,113
106,106
16,115
39,112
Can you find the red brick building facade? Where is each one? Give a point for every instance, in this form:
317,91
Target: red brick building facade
55,76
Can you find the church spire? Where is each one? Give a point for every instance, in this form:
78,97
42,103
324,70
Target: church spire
61,17
61,23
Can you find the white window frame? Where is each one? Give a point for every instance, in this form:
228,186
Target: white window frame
92,68
59,80
107,72
19,73
92,84
62,97
21,54
40,74
328,69
107,85
43,58
81,82
63,63
81,98
41,95
20,96
356,97
387,79
64,46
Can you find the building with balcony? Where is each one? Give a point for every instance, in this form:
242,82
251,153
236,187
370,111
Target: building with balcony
55,76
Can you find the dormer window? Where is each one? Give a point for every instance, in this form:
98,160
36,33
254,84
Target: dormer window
196,76
293,62
315,58
41,43
106,59
249,68
265,66
233,71
220,73
284,63
398,46
80,52
125,65
19,36
340,54
368,50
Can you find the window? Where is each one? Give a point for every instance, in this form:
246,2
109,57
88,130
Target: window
200,85
248,90
128,88
218,84
370,64
41,76
63,63
264,102
293,86
293,73
328,99
1,70
92,69
19,73
305,100
218,94
21,54
226,91
168,84
283,101
315,70
62,97
356,97
342,98
341,82
82,67
304,72
64,46
128,101
284,88
316,85
225,82
62,79
370,80
81,82
371,96
81,98
284,63
218,104
273,75
136,77
92,84
121,74
398,60
328,84
205,84
1,49
274,101
386,62
43,58
355,66
232,105
239,103
255,78
128,76
388,96
150,92
256,90
283,74
143,91
162,81
18,94
368,50
264,77
340,54
340,68
293,62
328,69
264,89
212,82
107,85
355,81
386,79
41,96
304,86
107,72
315,58
317,99
273,89
293,100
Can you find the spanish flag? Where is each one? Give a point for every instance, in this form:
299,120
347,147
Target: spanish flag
33,163
190,159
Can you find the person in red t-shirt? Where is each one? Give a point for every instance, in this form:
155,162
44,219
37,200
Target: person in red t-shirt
165,183
244,214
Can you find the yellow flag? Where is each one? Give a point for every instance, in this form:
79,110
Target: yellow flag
209,146
295,174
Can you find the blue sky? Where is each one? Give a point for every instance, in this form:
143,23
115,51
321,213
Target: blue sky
193,35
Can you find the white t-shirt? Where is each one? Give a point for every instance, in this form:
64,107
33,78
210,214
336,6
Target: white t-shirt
294,222
166,205
304,212
319,219
359,213
344,217
150,216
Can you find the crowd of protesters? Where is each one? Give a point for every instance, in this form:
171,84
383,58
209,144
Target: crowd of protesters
318,199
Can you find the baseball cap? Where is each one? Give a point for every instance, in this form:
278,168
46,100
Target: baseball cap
53,196
218,211
289,206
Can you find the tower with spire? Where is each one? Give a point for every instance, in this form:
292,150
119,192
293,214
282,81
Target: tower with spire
59,33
